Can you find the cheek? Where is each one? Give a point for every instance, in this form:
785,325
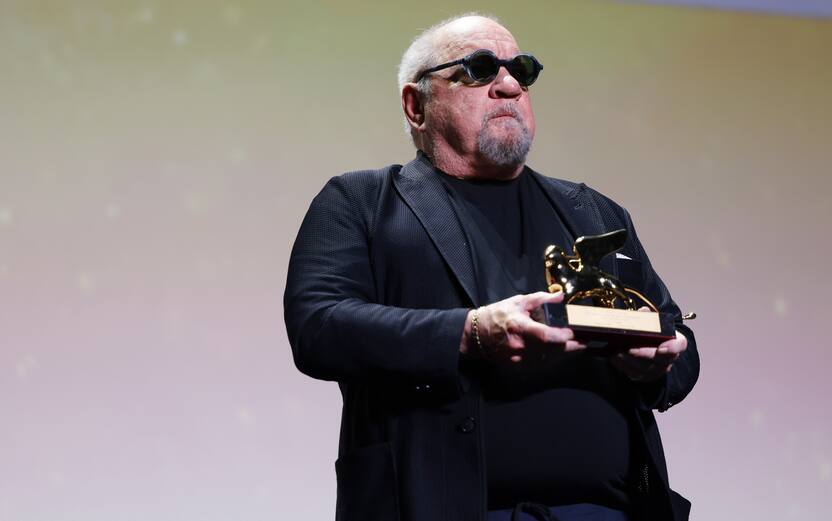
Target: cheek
467,120
528,116
438,121
450,126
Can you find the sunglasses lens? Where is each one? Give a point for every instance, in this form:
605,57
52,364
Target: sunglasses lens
524,69
482,66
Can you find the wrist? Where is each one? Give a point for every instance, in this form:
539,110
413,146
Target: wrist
471,342
475,332
465,341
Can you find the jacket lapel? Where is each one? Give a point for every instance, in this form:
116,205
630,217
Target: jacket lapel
423,191
576,209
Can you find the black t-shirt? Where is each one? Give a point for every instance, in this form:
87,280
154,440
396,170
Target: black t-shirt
555,434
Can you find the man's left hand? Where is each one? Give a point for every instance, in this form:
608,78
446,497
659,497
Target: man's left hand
646,364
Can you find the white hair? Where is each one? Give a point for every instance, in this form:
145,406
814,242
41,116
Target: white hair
427,51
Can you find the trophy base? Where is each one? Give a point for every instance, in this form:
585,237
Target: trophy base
607,329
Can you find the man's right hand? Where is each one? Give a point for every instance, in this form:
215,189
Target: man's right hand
507,330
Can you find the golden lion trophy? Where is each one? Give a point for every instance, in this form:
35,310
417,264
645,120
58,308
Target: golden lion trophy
600,309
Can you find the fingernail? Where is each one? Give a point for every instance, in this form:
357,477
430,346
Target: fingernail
572,345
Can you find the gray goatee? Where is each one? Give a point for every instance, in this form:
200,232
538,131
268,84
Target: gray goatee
504,150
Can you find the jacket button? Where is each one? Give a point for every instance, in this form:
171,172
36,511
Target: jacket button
467,425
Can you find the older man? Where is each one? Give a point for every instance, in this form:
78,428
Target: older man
416,288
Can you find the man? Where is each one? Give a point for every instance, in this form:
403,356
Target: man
417,289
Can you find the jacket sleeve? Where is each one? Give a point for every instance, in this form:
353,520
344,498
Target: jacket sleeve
675,386
337,329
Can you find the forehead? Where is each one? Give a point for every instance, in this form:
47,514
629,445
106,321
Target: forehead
464,36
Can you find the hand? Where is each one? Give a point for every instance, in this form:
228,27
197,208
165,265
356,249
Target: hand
508,331
646,364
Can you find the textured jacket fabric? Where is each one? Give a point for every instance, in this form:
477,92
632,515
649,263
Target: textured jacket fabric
380,282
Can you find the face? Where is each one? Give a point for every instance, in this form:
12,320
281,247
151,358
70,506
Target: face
491,124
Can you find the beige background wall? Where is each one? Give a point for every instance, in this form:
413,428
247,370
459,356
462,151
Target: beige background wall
156,159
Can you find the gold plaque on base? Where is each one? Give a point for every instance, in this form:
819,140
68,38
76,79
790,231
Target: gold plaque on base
611,328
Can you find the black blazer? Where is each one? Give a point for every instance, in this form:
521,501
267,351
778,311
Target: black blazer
380,281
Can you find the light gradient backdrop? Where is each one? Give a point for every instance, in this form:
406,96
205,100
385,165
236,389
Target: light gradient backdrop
156,159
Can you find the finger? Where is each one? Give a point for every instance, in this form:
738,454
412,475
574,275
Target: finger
644,308
547,334
514,342
573,345
674,346
651,354
660,366
535,300
665,358
642,352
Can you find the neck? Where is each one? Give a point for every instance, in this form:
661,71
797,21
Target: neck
476,167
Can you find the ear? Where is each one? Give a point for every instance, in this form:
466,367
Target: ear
413,106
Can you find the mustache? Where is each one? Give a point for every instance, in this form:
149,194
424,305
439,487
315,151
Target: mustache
503,110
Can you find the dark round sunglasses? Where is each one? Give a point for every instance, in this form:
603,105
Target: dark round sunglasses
483,66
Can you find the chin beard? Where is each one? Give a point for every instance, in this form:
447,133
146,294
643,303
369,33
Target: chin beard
504,150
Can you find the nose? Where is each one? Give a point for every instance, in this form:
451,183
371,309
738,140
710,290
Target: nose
505,86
